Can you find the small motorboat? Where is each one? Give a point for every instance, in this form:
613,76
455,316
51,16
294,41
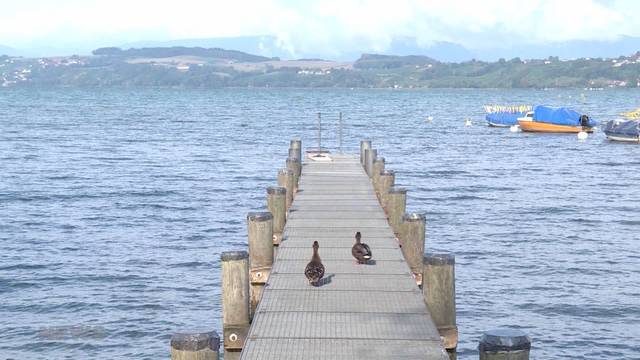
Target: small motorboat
504,116
556,120
623,130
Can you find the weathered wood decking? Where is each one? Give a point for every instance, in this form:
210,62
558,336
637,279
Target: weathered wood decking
361,311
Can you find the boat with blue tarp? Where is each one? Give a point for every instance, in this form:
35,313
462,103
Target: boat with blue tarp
505,116
557,120
626,130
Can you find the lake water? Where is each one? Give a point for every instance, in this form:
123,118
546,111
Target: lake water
116,204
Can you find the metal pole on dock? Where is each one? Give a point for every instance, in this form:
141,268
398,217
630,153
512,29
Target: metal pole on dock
364,144
340,131
285,179
260,231
277,205
412,239
195,346
499,344
319,133
385,183
439,289
396,206
235,301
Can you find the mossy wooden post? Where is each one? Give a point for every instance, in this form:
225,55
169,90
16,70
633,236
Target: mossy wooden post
285,180
296,145
412,238
439,289
295,166
378,167
369,158
277,205
260,229
364,144
396,205
504,344
385,183
195,346
235,301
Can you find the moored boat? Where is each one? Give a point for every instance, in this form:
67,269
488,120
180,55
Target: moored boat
556,120
623,130
504,116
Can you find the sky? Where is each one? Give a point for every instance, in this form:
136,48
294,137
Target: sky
315,26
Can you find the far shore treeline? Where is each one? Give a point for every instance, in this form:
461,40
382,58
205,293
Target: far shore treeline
214,68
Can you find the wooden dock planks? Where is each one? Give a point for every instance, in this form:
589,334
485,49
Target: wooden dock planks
361,311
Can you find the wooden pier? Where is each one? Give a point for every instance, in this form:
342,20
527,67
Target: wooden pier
369,311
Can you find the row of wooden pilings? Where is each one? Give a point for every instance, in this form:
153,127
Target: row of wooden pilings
435,273
244,274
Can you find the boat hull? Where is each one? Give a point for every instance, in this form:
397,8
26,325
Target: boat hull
537,126
635,139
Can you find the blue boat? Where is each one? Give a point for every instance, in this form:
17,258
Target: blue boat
623,130
557,120
505,116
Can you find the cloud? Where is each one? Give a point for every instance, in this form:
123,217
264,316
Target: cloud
329,27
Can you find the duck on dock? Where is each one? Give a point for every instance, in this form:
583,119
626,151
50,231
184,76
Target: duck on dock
314,270
361,251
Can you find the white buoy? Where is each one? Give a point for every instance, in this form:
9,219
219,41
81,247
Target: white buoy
582,135
468,122
514,128
429,118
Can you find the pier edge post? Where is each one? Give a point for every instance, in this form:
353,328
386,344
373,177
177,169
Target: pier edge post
364,144
370,156
396,205
296,145
285,179
195,346
260,233
412,237
378,167
386,181
439,292
499,344
277,205
235,299
295,166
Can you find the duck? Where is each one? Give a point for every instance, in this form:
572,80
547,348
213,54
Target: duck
361,251
314,270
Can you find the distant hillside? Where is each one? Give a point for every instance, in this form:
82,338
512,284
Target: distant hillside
164,52
376,61
6,50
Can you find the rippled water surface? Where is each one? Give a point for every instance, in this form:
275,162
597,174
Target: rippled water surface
116,204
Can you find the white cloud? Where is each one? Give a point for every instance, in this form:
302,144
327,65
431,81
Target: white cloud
321,26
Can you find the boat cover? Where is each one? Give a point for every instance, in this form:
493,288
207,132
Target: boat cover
504,118
559,116
623,128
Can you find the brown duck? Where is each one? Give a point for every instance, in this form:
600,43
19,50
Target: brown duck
314,270
361,251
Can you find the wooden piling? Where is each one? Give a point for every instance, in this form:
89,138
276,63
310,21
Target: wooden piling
439,291
195,346
396,205
378,167
296,145
295,166
369,158
386,181
277,205
504,344
260,231
235,300
412,238
364,144
285,180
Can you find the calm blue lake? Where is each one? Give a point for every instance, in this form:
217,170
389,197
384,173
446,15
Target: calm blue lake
115,205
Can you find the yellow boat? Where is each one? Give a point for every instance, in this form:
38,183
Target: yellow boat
536,126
